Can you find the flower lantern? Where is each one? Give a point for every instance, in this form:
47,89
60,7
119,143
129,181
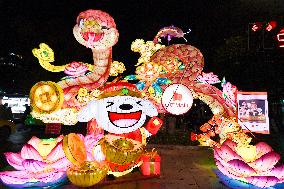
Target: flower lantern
256,165
41,162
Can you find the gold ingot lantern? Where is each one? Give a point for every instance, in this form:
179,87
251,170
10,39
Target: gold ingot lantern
89,174
83,173
121,150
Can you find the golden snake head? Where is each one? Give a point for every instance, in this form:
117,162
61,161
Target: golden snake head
95,29
44,53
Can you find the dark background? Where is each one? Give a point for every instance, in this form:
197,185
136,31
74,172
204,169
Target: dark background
220,29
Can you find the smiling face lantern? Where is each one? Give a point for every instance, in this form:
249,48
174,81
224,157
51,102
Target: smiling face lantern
121,110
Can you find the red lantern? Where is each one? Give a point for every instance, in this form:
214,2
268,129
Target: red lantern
280,37
151,163
256,26
271,25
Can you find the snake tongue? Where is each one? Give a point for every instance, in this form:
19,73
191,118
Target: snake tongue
91,37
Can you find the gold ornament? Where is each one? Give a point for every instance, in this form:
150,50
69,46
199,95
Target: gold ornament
121,150
46,97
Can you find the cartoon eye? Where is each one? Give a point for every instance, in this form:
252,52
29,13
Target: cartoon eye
139,103
109,104
104,28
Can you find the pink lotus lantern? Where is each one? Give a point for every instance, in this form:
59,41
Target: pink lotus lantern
41,162
251,164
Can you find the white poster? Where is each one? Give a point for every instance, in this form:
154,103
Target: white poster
253,111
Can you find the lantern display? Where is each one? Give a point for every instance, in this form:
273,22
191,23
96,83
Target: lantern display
280,37
151,163
256,165
89,174
122,109
48,104
46,97
122,113
236,158
83,173
177,99
121,150
40,163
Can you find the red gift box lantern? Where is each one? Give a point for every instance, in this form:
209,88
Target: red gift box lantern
151,164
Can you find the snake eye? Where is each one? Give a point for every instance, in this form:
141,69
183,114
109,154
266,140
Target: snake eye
105,28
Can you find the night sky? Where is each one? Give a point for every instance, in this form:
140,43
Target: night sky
27,23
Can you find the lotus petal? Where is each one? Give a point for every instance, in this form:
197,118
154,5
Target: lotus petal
61,165
217,157
278,172
34,166
59,138
56,153
265,162
227,154
15,160
14,177
29,152
262,148
240,167
262,181
90,156
50,176
91,141
230,143
225,170
34,141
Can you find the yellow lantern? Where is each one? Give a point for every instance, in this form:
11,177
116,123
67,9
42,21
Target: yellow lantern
121,150
89,174
83,173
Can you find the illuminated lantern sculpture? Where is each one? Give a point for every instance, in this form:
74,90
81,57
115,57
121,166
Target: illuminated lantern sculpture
280,37
236,158
151,163
177,99
255,165
41,163
256,26
122,111
83,173
96,30
271,25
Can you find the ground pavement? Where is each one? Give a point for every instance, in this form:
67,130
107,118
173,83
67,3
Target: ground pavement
182,167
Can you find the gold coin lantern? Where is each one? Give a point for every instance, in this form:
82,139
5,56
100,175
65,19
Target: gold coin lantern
46,97
83,173
121,150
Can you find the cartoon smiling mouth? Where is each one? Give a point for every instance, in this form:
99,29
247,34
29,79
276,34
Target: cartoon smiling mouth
124,120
